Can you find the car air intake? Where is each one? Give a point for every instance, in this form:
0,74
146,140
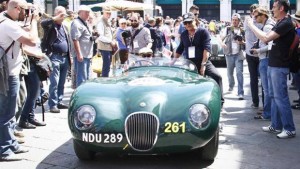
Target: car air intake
141,129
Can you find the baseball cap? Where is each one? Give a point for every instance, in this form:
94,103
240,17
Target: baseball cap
236,15
122,20
188,17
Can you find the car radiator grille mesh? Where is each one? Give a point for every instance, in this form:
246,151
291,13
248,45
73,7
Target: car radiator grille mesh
141,130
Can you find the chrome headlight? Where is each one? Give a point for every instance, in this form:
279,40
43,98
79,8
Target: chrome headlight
199,115
84,117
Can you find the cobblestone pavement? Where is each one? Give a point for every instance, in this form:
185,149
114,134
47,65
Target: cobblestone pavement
243,145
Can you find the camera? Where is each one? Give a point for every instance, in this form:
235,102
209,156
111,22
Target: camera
255,46
94,36
238,37
126,34
29,11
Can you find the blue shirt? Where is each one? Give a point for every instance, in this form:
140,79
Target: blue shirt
119,39
201,41
60,45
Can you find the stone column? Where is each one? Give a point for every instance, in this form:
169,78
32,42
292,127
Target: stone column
265,3
225,10
186,4
297,5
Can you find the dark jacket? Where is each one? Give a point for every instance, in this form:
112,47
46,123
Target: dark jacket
154,36
50,35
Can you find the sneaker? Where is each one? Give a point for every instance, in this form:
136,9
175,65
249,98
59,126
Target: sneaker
62,106
296,106
20,140
21,150
270,129
36,122
26,125
260,117
54,110
11,157
241,97
255,106
19,134
286,134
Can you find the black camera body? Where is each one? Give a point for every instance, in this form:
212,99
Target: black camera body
238,37
255,46
29,11
126,34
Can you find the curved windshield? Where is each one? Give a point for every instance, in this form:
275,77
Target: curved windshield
137,61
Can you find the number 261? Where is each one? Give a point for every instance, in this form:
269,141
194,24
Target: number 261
174,127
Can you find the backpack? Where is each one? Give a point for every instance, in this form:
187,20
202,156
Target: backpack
294,55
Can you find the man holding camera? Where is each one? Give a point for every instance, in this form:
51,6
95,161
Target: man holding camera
12,36
260,49
56,44
233,44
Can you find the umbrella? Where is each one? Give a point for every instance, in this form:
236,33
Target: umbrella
122,5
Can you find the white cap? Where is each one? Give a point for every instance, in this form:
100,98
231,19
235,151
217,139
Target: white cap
84,8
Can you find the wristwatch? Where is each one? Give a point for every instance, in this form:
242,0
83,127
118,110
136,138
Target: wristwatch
203,64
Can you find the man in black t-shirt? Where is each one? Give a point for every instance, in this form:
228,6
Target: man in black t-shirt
282,35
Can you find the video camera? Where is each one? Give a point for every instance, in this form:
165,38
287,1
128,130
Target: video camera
126,34
255,46
238,37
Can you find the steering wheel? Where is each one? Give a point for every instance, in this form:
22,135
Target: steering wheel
140,61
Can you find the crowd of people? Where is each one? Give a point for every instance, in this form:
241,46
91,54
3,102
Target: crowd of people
71,39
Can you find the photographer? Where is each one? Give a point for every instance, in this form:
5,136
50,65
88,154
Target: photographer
260,49
12,36
56,44
233,45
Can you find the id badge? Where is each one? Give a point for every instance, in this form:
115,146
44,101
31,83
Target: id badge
135,44
192,52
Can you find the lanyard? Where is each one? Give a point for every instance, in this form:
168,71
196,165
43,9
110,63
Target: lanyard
191,38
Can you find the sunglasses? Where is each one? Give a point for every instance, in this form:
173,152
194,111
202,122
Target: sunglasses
187,22
147,55
133,20
257,16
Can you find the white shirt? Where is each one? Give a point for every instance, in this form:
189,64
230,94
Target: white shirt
11,31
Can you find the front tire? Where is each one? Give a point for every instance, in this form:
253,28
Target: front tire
82,153
210,150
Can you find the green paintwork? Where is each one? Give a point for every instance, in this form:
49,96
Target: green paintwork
115,98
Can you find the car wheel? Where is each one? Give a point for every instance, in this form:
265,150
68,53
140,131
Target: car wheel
82,153
210,150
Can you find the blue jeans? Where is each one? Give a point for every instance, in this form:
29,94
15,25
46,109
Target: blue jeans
281,113
232,62
57,78
263,71
33,86
106,56
8,103
83,70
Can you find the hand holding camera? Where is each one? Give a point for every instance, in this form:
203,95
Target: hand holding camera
254,48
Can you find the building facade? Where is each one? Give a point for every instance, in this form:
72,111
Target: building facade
209,9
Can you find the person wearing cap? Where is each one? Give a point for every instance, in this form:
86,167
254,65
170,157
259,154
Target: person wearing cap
106,42
253,62
12,36
296,76
233,44
261,51
196,41
282,35
122,40
56,43
83,45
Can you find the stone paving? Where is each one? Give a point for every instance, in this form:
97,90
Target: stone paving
243,145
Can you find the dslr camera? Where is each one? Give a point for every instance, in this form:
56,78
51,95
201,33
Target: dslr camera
94,36
126,34
255,46
238,37
29,11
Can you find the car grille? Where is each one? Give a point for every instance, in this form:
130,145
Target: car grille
141,130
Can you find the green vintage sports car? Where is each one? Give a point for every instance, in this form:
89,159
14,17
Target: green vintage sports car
150,108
